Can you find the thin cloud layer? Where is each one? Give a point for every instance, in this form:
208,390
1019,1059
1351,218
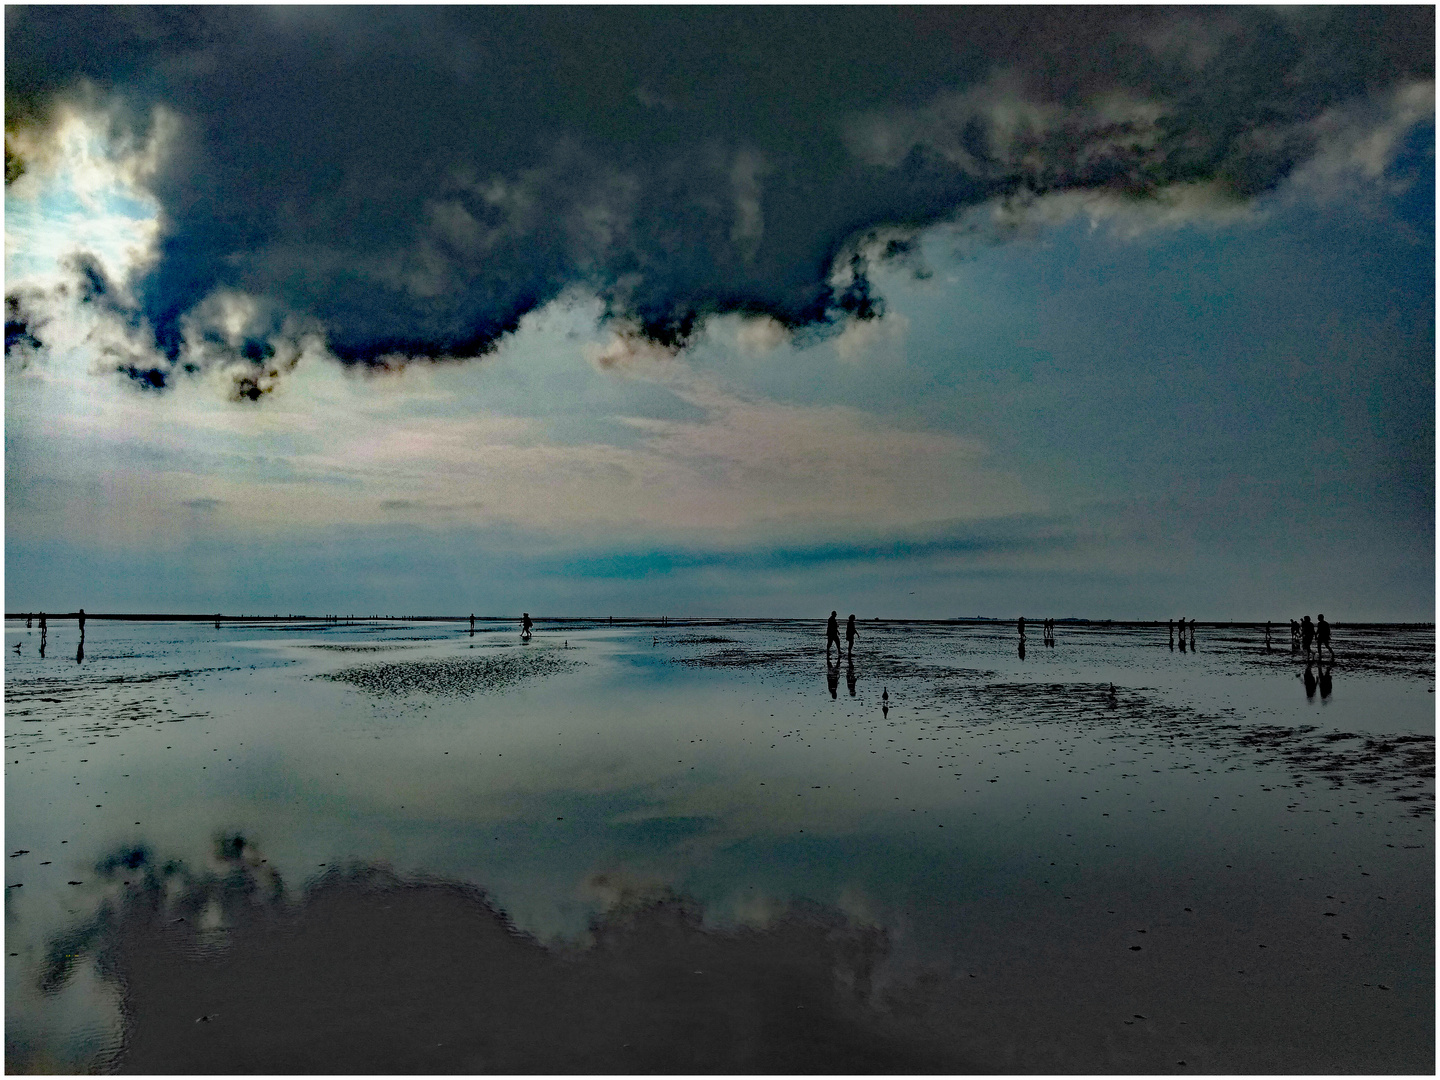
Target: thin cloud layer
411,182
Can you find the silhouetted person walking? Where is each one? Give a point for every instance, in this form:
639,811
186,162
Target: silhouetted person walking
525,625
80,618
1322,638
1192,635
1307,634
1267,635
1294,636
850,636
832,634
472,624
1021,625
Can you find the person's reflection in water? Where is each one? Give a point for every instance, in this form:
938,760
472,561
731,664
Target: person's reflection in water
472,624
850,677
832,676
80,651
1310,683
1324,681
1182,642
1022,648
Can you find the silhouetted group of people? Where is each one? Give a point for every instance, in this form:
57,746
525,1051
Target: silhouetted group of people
832,637
1047,627
1182,634
1305,634
45,633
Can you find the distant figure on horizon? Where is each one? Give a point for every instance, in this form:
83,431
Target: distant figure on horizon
850,636
1294,636
1307,635
81,619
1172,633
1192,635
472,622
832,634
27,622
1267,635
1322,638
217,620
42,622
1021,625
525,626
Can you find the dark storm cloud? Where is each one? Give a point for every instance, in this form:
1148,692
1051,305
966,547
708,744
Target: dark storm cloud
415,180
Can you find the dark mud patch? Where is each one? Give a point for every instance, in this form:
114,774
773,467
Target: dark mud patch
371,973
59,690
453,677
357,648
1405,764
805,661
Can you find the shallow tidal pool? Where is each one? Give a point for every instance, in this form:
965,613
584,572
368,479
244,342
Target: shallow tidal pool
700,847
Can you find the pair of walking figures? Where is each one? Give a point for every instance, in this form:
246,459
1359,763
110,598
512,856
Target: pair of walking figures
832,635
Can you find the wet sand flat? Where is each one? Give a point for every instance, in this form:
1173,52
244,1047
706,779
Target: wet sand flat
699,848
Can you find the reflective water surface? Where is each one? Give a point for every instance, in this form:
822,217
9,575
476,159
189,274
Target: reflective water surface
700,847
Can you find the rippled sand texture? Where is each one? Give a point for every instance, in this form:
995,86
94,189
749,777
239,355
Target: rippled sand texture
700,848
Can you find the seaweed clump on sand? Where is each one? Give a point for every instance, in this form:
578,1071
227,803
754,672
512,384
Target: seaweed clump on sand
452,676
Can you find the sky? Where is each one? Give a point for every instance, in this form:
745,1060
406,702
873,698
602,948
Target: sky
918,313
